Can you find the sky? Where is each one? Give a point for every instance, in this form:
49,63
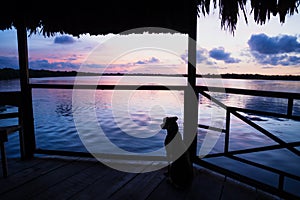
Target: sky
271,49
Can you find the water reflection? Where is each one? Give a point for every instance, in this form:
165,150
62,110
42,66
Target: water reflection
64,110
141,111
269,104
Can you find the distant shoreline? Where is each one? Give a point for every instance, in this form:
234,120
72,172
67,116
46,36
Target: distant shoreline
8,74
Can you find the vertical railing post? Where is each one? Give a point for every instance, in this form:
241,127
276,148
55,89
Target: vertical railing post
26,96
281,182
290,107
21,132
190,94
227,129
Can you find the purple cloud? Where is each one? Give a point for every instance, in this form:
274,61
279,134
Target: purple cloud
275,50
9,62
277,59
12,62
264,44
64,40
220,54
201,57
152,60
44,64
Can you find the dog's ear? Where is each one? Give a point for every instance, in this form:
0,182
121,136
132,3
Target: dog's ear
174,119
165,122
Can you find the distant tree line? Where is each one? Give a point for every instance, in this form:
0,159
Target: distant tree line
8,73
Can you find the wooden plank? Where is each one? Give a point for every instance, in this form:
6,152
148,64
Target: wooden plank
266,196
72,185
106,156
16,165
234,190
167,191
86,178
24,184
140,187
206,185
21,178
48,179
107,185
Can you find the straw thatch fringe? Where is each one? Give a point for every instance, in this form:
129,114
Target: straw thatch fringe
104,17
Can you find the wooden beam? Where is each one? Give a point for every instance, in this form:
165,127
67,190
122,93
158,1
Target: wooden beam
109,87
226,145
290,107
260,93
26,103
190,94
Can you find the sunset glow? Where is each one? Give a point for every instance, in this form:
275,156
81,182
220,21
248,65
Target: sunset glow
271,49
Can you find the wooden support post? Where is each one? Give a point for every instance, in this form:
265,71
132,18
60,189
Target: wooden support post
3,159
281,182
227,129
190,94
290,107
26,103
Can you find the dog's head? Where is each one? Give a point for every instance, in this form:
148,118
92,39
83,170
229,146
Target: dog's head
169,123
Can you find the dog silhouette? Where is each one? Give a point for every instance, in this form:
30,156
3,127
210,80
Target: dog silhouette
180,168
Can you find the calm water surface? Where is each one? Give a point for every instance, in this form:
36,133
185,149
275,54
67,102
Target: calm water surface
130,120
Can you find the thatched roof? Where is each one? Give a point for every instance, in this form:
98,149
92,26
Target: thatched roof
115,16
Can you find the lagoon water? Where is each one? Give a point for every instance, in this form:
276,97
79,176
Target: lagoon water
114,121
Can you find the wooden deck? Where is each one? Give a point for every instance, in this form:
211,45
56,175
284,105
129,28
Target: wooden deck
86,178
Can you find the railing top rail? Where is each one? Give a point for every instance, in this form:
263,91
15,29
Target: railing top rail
262,93
10,98
109,87
172,87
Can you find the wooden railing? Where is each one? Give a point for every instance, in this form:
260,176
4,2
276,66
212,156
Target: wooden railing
10,99
282,175
204,91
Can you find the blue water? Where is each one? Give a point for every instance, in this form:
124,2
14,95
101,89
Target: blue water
130,120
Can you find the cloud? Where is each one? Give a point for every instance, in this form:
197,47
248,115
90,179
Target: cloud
152,60
64,40
277,59
12,62
9,62
264,44
45,64
278,50
201,57
220,54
